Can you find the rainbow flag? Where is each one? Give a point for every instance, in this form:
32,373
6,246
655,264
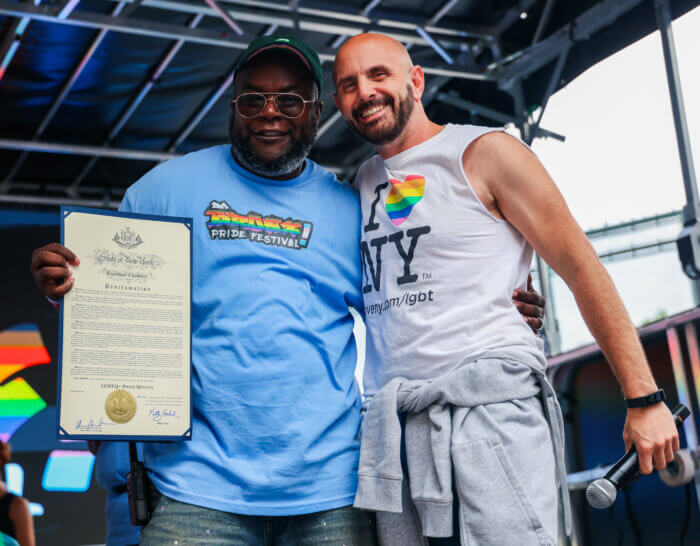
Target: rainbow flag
20,348
403,197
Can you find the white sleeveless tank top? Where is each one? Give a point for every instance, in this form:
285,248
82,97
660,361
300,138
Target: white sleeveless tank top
439,270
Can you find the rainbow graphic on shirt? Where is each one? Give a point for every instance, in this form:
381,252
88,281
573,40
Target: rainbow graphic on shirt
225,223
403,197
20,348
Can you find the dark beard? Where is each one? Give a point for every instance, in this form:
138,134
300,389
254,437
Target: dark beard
287,162
388,134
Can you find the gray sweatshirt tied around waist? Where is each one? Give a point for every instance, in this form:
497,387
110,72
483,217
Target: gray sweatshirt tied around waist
497,376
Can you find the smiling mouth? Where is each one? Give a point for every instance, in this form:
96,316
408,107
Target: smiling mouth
372,113
270,136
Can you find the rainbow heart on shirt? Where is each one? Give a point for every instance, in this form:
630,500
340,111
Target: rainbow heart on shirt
403,197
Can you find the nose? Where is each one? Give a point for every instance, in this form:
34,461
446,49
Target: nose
270,110
365,89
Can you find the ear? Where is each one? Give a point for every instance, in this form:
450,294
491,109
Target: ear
417,81
319,108
335,99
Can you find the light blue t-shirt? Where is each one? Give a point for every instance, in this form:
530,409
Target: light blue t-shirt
276,264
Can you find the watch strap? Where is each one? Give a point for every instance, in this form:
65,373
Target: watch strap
645,401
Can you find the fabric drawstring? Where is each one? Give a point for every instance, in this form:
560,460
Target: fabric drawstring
556,427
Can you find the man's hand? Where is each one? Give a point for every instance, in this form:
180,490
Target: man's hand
653,432
50,269
530,304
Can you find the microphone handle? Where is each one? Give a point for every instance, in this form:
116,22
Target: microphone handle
627,468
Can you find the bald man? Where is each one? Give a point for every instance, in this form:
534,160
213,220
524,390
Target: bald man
451,215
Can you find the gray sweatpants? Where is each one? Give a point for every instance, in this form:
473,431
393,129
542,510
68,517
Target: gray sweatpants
504,478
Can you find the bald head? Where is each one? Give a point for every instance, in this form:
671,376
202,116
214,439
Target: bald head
377,88
370,45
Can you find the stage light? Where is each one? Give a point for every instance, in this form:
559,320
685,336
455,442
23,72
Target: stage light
68,471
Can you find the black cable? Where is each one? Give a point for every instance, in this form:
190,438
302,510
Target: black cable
633,520
686,520
619,531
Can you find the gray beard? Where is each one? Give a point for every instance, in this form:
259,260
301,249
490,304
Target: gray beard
289,161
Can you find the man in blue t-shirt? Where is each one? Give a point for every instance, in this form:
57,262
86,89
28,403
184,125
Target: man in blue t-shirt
276,265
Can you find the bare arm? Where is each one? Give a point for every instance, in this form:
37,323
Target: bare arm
23,521
528,198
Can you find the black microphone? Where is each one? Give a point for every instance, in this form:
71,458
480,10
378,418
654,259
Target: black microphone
602,493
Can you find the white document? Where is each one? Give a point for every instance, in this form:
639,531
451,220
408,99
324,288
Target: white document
125,328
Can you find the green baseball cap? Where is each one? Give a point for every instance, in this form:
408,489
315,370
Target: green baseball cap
305,52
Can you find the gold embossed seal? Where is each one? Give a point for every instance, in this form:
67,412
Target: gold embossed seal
120,406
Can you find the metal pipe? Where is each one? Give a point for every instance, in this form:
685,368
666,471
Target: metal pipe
386,19
199,114
174,32
553,82
68,8
327,21
544,21
62,94
328,123
225,16
127,25
74,149
365,12
521,115
512,16
57,201
135,102
61,189
441,12
663,19
436,46
11,43
534,57
469,106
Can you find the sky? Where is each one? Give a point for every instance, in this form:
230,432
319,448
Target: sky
620,162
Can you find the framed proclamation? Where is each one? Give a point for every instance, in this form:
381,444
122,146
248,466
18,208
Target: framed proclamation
125,336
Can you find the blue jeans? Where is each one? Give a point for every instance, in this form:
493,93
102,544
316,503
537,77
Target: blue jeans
175,522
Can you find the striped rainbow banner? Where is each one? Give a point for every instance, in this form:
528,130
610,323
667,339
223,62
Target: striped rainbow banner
20,347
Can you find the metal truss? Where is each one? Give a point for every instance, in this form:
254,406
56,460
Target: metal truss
134,104
454,45
404,32
62,94
635,226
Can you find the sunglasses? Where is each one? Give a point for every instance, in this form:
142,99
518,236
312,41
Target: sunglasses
290,105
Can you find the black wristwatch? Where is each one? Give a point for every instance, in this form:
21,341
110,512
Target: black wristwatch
645,401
